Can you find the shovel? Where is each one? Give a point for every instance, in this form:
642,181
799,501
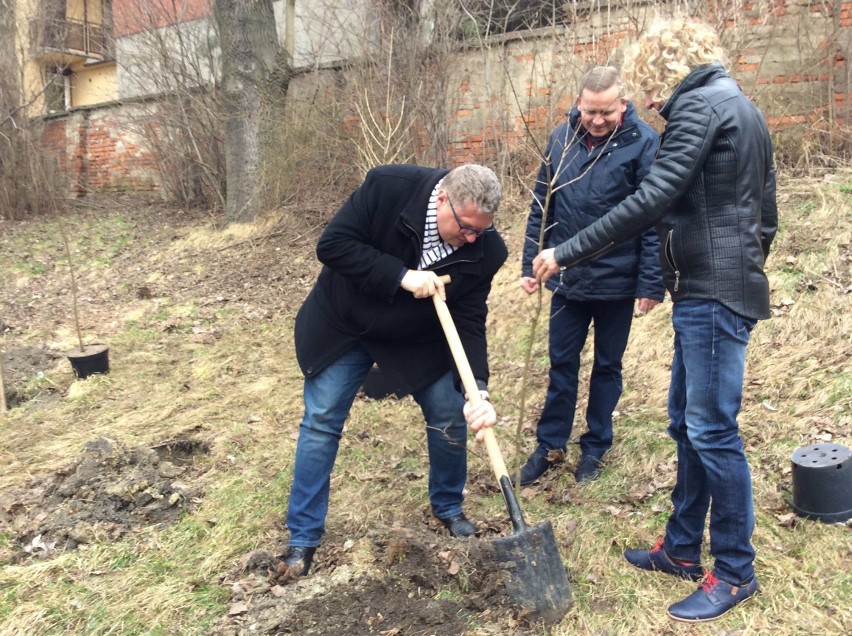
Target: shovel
536,576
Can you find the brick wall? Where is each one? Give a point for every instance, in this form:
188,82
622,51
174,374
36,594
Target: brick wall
101,150
845,17
53,140
133,16
790,56
794,63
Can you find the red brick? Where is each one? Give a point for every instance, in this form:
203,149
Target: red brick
133,16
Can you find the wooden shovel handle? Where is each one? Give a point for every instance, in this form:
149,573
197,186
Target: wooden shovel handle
469,383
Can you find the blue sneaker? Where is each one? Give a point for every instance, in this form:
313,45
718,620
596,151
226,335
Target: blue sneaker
713,599
657,560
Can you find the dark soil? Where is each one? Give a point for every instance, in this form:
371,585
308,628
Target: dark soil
105,494
20,365
400,598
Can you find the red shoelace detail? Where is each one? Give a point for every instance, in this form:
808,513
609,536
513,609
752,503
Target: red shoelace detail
710,582
659,546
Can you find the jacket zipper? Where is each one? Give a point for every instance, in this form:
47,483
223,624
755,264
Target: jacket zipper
562,268
418,238
670,257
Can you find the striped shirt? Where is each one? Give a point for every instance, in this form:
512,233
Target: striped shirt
434,248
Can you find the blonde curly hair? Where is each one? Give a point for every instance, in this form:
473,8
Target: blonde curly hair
667,52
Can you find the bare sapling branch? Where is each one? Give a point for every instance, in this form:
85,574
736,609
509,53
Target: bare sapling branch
70,258
385,126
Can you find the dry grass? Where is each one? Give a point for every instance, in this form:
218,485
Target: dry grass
184,367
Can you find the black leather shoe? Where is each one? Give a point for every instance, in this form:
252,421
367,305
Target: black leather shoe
298,560
588,469
459,526
536,466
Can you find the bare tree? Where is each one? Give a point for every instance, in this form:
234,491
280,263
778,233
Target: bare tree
29,174
255,77
182,126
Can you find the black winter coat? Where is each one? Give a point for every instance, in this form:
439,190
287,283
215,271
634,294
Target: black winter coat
711,194
357,298
589,183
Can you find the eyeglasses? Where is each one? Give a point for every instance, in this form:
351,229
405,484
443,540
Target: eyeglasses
465,229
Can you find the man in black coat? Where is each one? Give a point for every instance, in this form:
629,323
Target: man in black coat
383,254
711,194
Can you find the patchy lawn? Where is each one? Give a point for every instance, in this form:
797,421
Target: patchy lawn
151,500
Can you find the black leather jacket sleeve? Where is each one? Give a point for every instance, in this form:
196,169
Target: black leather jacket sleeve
685,146
768,214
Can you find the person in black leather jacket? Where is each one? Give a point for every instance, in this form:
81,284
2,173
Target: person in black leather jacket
711,195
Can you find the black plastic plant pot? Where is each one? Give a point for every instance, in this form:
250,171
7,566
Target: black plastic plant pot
822,482
94,358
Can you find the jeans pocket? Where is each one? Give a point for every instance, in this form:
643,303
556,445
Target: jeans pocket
745,325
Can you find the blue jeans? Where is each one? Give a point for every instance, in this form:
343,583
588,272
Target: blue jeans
328,399
704,399
569,326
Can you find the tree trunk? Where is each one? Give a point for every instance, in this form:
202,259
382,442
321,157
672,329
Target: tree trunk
254,82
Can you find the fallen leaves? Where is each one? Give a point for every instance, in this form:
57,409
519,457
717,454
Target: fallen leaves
238,608
449,556
787,520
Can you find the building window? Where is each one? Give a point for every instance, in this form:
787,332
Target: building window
493,17
54,88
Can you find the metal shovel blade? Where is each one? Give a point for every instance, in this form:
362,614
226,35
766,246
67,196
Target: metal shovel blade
536,577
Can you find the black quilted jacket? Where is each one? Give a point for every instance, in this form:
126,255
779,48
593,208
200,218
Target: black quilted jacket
710,193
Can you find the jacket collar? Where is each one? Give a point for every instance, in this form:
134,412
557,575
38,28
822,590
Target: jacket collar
414,213
414,217
698,77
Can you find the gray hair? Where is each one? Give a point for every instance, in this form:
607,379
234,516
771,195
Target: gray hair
599,79
473,183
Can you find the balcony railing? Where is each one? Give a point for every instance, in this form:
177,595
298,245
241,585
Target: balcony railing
72,37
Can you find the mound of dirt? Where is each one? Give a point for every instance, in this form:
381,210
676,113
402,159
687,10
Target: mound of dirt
103,495
418,583
20,364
